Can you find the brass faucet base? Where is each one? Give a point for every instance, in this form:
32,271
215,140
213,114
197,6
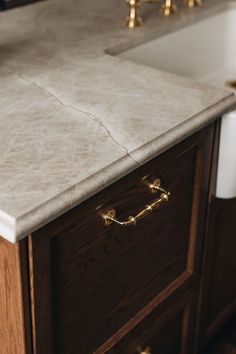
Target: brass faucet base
133,22
194,3
168,10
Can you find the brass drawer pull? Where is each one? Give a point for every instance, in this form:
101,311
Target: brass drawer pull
110,216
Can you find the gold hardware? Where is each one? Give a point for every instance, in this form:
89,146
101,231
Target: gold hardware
169,8
133,20
156,186
193,3
110,216
146,351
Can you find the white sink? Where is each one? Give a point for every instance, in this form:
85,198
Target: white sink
204,51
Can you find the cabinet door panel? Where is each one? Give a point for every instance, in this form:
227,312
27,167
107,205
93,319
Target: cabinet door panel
122,269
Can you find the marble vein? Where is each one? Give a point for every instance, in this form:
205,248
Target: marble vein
89,115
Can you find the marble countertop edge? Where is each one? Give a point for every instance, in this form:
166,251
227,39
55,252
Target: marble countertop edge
176,134
15,229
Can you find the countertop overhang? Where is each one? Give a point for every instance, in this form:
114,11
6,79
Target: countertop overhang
75,119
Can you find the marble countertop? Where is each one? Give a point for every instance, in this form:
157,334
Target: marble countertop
74,119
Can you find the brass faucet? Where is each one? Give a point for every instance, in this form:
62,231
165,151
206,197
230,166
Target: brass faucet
134,20
168,8
193,3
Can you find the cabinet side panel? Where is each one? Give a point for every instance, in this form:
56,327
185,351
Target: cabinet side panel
40,292
222,283
15,336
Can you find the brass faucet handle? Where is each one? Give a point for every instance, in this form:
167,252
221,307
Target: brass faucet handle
169,8
133,20
193,3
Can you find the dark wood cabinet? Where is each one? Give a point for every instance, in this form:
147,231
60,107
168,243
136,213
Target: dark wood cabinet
86,287
219,278
95,279
167,332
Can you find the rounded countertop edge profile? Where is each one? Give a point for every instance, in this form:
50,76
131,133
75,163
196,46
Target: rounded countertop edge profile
16,229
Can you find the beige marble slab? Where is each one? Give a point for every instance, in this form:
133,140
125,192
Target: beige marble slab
74,119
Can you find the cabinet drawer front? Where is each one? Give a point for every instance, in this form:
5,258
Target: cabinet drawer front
168,332
101,276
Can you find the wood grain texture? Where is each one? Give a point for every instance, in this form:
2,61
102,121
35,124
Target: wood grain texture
40,291
15,334
167,330
168,294
201,190
222,272
201,341
122,269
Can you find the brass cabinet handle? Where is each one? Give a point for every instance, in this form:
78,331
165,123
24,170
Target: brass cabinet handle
110,215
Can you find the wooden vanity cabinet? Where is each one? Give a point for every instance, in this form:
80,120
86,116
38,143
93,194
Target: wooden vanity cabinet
91,282
95,288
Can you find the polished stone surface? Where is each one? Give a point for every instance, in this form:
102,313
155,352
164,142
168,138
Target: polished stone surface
74,119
